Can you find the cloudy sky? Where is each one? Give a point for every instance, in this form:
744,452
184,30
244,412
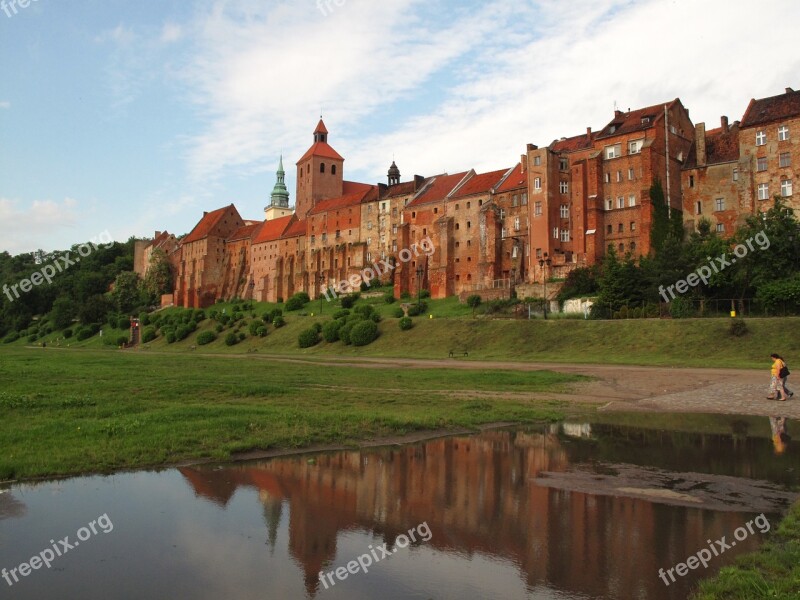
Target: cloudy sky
135,116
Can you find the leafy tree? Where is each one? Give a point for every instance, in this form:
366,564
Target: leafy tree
158,280
64,309
94,310
127,294
473,301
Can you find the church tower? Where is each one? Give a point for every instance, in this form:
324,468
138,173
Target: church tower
279,202
394,174
319,173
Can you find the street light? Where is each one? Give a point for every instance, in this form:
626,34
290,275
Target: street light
513,280
420,272
321,282
542,262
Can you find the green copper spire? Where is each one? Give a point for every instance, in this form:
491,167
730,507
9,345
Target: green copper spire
280,195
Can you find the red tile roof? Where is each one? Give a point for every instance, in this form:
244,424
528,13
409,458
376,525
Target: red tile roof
632,121
574,143
206,224
515,180
296,228
321,149
438,189
775,108
721,146
400,189
321,127
352,187
272,230
248,231
342,201
480,184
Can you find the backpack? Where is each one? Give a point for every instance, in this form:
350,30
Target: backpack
784,372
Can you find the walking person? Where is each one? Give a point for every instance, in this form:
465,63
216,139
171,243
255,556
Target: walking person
779,372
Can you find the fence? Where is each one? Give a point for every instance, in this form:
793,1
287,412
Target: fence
685,308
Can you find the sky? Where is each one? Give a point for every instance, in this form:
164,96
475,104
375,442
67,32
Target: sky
134,117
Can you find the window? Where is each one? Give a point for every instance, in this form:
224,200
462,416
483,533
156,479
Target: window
333,169
691,181
621,248
537,161
763,191
635,147
698,208
516,223
502,213
394,228
513,252
673,130
383,207
394,212
563,164
456,206
761,138
369,225
786,187
614,151
338,233
469,224
783,133
436,210
633,225
555,232
369,209
514,200
630,174
469,204
619,176
736,174
313,239
609,204
632,200
503,232
565,211
720,204
610,229
620,228
620,202
565,235
321,167
524,198
537,209
720,228
563,187
607,177
761,163
785,159
537,183
633,246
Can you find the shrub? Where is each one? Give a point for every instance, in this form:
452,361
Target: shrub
738,328
262,331
681,308
364,286
200,316
84,333
425,294
375,282
277,312
148,334
242,336
144,319
308,338
122,340
398,313
317,327
474,301
267,316
341,313
254,327
348,301
330,331
231,339
389,298
11,337
375,317
280,299
182,332
278,322
363,333
294,303
32,338
171,337
219,328
364,311
406,323
67,334
205,338
344,331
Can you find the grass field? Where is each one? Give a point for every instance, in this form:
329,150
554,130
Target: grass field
66,412
655,342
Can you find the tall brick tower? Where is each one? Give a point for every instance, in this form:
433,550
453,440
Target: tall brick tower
319,173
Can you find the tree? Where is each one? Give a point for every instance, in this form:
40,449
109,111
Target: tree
474,301
64,310
158,280
127,292
94,310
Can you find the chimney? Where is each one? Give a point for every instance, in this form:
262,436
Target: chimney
724,122
617,113
700,143
418,181
523,160
589,132
158,233
789,90
205,212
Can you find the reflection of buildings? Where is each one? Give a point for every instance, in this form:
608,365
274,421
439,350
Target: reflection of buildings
477,495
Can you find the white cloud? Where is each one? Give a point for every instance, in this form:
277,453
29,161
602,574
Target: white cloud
5,104
40,224
171,33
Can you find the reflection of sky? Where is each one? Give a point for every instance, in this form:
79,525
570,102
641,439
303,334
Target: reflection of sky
10,507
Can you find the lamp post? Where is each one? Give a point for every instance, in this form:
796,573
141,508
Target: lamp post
513,280
321,282
420,272
542,263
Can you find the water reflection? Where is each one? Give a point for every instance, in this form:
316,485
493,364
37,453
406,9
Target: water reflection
482,496
780,434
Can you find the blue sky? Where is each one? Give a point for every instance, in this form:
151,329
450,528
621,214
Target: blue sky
133,117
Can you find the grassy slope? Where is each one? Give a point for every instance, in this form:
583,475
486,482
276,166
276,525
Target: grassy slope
72,412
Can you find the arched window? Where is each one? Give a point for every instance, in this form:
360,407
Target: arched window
633,246
333,169
321,167
622,248
610,229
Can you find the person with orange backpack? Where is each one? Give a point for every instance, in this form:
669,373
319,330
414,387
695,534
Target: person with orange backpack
779,373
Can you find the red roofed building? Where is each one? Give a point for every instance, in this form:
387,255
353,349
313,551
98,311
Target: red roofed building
268,259
204,264
319,173
238,282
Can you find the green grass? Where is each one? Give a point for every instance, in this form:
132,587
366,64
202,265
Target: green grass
68,412
771,572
